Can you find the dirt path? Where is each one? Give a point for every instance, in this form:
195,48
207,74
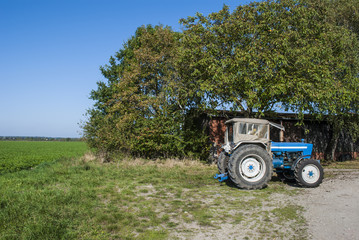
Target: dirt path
332,210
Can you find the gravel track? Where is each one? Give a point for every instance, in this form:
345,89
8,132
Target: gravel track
332,209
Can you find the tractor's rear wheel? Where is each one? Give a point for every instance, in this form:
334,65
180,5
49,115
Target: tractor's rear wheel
222,162
250,167
309,173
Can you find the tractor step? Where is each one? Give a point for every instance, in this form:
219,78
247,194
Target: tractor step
221,177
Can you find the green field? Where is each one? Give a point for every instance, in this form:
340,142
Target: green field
19,155
68,197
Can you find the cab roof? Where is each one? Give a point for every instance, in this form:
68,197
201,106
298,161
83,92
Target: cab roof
248,120
255,121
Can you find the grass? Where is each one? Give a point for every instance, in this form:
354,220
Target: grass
52,193
353,164
19,155
138,199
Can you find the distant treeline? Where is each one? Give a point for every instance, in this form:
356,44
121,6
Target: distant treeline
19,138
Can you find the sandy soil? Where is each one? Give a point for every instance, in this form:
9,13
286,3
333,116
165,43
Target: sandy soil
332,209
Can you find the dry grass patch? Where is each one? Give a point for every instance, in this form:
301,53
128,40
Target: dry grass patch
167,163
353,164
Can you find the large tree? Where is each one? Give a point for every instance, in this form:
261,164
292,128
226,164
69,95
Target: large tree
266,53
262,57
138,110
342,116
272,55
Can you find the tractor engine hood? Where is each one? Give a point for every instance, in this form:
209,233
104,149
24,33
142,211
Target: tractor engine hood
306,148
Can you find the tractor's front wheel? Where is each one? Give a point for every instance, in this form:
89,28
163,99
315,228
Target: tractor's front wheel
250,167
309,173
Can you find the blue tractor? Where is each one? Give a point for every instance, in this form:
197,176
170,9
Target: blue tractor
249,157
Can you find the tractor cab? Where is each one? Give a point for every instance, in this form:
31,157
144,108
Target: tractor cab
248,130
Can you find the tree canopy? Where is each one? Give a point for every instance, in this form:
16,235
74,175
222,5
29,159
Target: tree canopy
271,53
138,110
290,55
343,14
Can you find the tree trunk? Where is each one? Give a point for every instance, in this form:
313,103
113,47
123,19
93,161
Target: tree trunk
332,145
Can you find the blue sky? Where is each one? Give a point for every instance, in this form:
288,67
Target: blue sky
51,51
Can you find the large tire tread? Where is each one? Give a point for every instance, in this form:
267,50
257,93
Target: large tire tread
235,159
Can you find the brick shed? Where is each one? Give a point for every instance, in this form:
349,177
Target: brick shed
318,133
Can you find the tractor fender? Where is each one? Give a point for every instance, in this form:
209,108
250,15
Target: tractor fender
241,143
298,160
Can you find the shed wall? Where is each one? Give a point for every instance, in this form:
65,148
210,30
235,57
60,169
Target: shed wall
317,133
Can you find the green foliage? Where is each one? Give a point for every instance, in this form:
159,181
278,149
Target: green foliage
18,155
341,107
340,12
137,111
299,56
292,55
268,53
